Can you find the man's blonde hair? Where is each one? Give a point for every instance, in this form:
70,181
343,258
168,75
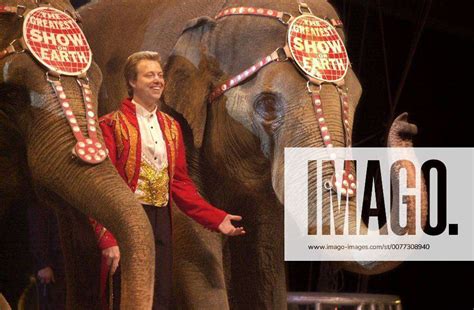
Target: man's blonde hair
130,70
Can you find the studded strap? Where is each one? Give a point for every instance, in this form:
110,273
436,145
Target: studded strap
89,150
345,115
8,9
251,11
348,185
318,108
283,17
336,22
19,10
348,180
239,78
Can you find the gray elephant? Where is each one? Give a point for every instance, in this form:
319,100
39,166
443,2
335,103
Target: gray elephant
235,143
36,161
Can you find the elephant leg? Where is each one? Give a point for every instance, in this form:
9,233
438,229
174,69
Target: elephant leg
81,254
198,271
257,260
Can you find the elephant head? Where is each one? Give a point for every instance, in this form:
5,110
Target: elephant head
238,139
37,142
273,109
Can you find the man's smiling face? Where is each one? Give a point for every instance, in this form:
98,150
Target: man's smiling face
149,84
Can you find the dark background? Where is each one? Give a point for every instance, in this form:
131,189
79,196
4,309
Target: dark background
432,79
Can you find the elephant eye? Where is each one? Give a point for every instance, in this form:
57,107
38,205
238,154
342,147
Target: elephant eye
266,106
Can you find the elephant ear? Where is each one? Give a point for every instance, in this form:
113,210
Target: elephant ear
189,77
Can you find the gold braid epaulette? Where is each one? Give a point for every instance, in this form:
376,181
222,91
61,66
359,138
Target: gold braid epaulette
119,133
125,133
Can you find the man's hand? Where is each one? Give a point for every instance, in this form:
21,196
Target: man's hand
228,229
46,275
112,255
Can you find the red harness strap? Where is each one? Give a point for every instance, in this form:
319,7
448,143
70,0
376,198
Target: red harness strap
251,11
11,9
336,22
89,149
348,185
281,16
236,80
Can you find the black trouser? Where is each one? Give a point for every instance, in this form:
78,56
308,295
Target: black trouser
52,296
160,221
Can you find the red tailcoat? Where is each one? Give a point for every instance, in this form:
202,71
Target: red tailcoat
122,138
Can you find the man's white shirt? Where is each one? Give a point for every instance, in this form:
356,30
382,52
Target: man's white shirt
154,161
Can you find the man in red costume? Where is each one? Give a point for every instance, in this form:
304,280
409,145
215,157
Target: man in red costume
146,146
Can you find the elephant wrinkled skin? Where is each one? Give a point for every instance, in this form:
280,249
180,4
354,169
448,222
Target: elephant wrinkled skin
36,162
235,145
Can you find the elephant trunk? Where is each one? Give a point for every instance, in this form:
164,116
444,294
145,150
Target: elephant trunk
96,190
301,131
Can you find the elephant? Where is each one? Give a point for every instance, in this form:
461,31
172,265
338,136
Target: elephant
235,144
153,25
36,162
